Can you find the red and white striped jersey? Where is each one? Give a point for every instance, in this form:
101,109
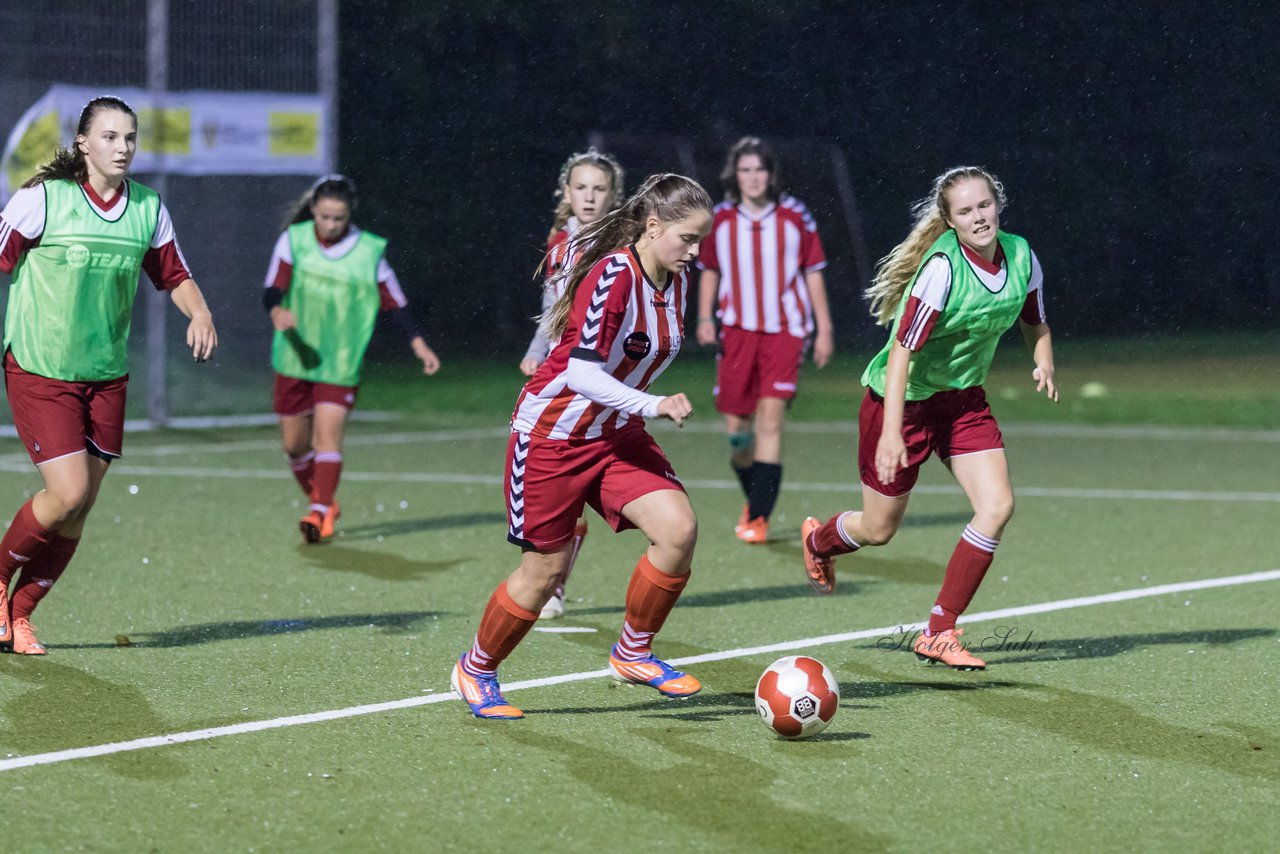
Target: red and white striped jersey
621,320
561,252
762,262
280,271
22,226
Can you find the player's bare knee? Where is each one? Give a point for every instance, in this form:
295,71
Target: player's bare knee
66,502
877,533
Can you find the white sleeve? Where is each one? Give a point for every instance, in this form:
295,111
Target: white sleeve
1037,275
933,283
281,254
592,381
387,279
164,229
25,212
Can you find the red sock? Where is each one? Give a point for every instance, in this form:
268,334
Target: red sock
39,576
650,597
831,540
968,564
304,469
324,482
25,540
502,627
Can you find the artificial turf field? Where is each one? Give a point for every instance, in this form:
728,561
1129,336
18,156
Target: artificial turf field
1142,723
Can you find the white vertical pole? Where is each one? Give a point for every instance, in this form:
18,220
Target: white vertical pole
157,301
327,74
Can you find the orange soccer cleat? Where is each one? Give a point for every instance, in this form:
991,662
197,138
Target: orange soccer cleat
24,638
6,623
742,520
820,571
655,673
482,695
310,526
328,528
755,532
945,647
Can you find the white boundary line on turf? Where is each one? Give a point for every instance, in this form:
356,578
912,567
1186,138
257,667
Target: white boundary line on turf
58,756
126,469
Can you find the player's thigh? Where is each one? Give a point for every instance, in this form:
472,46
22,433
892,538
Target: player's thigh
665,516
984,477
329,425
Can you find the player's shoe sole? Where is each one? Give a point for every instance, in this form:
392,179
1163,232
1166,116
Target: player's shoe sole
310,526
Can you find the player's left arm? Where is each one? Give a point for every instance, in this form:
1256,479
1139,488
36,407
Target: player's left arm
824,344
202,338
396,306
167,268
1035,331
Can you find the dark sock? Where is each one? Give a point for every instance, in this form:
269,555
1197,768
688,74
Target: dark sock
744,478
766,480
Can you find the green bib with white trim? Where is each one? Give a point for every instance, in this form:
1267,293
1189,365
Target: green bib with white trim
963,341
71,300
335,302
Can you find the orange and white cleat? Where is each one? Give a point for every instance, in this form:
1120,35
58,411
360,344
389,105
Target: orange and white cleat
755,532
742,520
946,648
319,525
820,571
482,695
24,638
6,624
329,527
655,673
310,526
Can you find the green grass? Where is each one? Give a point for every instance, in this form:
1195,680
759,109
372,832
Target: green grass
1139,725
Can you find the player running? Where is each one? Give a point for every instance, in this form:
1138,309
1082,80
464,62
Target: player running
75,238
327,282
762,270
950,290
590,186
578,438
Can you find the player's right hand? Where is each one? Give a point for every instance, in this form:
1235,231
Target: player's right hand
282,319
529,366
891,456
706,333
676,407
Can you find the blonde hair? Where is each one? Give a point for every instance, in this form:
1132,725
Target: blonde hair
895,271
667,196
606,164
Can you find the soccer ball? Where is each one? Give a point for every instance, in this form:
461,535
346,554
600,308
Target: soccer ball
797,696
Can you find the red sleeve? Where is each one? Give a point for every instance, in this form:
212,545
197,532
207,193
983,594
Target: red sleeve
12,245
165,266
707,258
812,257
1032,312
390,302
283,277
599,308
918,319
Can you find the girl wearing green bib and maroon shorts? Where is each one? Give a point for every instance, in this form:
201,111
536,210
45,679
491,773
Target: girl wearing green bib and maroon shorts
327,283
75,238
950,290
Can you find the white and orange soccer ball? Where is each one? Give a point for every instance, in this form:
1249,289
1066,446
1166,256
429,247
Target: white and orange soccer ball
797,696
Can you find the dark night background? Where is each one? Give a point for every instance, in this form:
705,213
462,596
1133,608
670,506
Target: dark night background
1136,140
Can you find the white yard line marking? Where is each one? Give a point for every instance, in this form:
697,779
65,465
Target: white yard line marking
124,468
805,643
566,630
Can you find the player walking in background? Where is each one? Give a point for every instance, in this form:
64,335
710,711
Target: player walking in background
578,438
327,283
75,238
762,276
950,290
590,186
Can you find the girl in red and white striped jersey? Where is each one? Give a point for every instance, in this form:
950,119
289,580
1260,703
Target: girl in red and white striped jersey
327,282
75,238
590,186
762,272
578,438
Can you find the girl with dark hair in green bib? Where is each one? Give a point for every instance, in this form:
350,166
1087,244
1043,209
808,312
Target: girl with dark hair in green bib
950,290
327,283
75,238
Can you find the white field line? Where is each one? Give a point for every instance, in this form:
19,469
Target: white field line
58,756
125,469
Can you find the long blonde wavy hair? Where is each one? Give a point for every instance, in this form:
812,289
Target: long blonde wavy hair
591,157
895,271
667,196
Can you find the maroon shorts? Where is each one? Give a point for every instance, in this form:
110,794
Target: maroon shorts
549,481
57,418
292,396
950,423
752,365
